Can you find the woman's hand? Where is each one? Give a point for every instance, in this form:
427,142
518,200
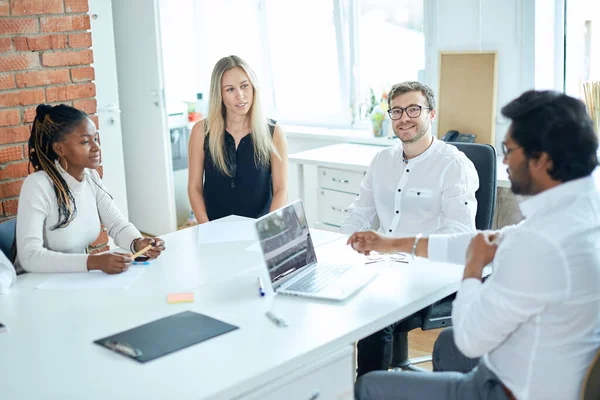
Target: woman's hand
109,263
158,246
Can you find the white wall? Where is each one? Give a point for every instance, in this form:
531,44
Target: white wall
107,97
504,26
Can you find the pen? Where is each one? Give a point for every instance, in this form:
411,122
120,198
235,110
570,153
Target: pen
261,289
140,263
280,322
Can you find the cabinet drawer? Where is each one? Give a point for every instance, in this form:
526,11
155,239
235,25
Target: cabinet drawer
338,179
330,377
333,206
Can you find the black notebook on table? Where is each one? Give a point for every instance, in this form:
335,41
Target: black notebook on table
164,336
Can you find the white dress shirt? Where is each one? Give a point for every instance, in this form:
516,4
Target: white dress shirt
43,249
431,193
536,319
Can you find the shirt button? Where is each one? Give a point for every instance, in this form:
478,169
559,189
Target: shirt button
466,203
408,170
397,211
390,230
399,190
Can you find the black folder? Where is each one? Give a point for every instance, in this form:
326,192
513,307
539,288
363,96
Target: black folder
164,336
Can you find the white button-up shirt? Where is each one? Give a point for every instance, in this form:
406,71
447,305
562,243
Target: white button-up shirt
536,320
431,193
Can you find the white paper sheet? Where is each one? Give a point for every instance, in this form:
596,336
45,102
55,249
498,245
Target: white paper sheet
224,232
92,280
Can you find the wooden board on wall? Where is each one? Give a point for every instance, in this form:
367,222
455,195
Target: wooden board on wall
467,94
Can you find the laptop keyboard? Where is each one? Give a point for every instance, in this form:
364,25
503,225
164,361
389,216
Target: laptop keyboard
318,278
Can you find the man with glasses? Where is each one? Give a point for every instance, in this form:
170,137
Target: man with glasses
420,186
532,329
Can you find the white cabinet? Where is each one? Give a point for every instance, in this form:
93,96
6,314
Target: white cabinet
330,179
340,180
330,377
337,190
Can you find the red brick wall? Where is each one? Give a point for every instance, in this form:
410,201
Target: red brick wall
45,57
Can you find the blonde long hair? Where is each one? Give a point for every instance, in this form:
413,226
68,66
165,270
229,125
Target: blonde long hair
215,123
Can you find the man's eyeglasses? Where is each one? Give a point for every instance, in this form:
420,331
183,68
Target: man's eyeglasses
506,151
412,112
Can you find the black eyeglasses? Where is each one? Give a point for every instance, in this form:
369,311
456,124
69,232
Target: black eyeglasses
506,151
412,112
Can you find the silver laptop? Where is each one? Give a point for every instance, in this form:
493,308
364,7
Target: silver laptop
292,263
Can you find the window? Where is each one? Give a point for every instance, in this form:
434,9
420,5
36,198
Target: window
301,41
582,58
319,62
391,44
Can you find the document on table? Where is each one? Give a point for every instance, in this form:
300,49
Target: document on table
92,280
227,231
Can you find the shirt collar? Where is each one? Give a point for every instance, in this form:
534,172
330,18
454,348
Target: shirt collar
73,183
424,155
556,196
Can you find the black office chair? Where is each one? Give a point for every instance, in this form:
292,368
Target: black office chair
7,237
438,315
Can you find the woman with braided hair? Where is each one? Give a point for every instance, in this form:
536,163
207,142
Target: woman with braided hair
63,202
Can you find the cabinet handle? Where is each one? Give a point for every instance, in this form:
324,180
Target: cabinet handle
315,395
344,210
340,180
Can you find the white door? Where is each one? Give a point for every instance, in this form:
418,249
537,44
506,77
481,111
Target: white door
107,97
146,139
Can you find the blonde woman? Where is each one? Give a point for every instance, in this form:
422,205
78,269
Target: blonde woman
237,157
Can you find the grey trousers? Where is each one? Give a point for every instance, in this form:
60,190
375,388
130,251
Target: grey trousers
456,377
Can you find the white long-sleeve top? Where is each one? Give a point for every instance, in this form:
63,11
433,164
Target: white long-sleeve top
432,193
536,319
42,249
7,273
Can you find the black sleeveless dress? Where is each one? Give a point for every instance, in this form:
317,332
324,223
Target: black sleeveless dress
248,192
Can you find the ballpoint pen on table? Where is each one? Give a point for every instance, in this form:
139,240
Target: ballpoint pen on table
261,289
277,320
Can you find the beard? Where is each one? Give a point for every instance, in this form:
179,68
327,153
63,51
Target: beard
521,182
420,133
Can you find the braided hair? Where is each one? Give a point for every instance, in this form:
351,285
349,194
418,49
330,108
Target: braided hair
50,125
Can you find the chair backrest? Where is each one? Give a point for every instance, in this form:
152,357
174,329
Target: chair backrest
483,156
591,384
7,237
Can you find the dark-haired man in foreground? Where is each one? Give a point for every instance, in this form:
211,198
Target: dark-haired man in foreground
532,329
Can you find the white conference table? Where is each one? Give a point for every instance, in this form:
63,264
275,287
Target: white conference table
49,353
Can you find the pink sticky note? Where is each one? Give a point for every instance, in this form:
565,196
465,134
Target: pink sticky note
173,298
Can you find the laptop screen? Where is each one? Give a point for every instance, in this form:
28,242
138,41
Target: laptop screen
285,241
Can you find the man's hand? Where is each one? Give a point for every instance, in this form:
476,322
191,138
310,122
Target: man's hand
481,252
366,242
